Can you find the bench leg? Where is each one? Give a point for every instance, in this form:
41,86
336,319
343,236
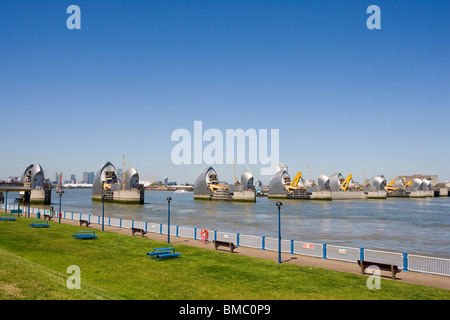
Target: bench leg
231,248
362,268
393,272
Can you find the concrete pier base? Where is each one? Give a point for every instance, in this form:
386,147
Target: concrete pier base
421,194
321,195
246,196
129,196
400,193
202,197
347,195
380,194
122,196
41,196
277,196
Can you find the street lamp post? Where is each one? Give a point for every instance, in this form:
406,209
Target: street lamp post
279,204
103,212
60,193
168,219
6,203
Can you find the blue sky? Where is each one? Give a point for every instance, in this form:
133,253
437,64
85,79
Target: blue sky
343,97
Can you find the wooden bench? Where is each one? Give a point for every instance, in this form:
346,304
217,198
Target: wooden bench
162,253
87,223
47,216
39,224
224,244
84,235
134,230
383,266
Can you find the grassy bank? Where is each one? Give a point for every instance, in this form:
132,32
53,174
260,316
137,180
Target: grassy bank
33,264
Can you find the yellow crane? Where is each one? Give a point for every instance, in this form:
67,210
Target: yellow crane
293,185
390,186
214,183
346,182
407,184
214,187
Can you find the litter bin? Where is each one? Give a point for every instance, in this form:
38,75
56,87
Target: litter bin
38,215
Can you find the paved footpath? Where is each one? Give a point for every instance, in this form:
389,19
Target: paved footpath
409,276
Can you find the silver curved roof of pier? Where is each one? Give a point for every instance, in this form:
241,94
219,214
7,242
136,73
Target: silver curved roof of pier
36,170
377,182
100,177
247,180
323,182
131,175
419,184
335,182
202,181
426,185
277,182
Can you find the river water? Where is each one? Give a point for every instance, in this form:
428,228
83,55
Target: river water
417,226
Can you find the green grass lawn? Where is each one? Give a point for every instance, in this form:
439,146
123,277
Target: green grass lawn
33,265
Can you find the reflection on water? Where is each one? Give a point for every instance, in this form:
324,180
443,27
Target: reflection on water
413,225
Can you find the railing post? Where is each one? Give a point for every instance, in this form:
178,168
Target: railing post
405,261
132,223
263,243
195,233
120,223
160,228
324,251
292,246
215,235
176,233
237,239
145,226
361,254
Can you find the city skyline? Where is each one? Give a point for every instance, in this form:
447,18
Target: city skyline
345,98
